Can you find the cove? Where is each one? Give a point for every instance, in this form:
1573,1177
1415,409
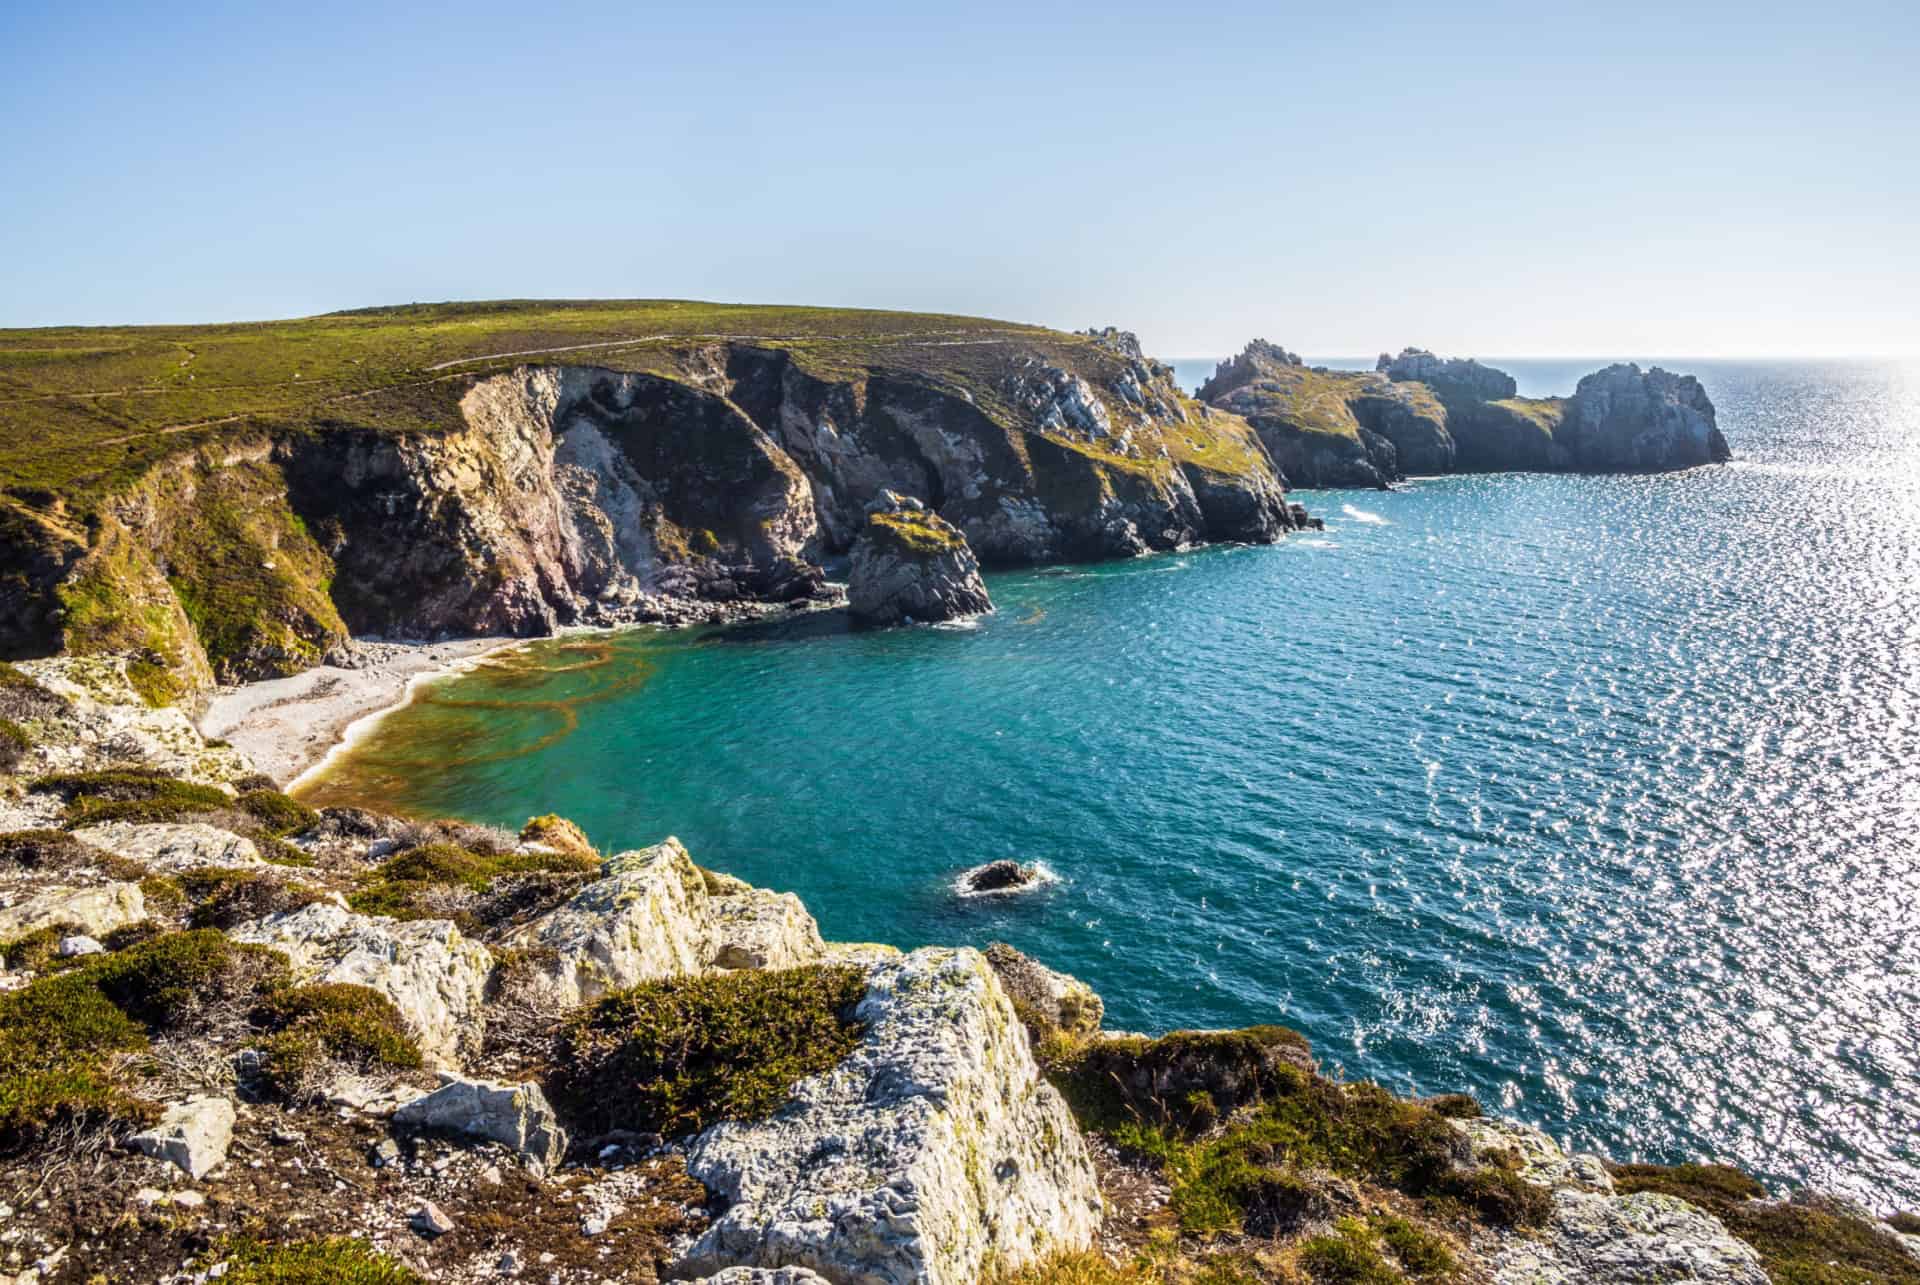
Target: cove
1594,796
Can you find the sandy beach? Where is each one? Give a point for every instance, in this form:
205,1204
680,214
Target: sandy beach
288,726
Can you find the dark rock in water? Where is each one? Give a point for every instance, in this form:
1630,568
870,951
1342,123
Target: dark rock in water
910,564
997,876
1623,420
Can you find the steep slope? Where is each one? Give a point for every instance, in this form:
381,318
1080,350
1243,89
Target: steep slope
231,502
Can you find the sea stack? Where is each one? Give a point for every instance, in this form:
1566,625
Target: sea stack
910,565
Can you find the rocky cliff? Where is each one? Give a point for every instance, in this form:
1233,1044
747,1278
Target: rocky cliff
1418,413
244,1041
669,477
910,565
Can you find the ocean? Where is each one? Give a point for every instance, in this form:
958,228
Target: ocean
1598,797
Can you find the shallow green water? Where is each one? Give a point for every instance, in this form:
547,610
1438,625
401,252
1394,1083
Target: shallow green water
1599,797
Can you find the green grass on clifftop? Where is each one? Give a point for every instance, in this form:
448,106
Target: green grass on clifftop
85,410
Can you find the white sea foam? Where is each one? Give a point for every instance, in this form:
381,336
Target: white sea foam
1361,515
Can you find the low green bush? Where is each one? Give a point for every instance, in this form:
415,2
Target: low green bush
22,699
337,1260
501,887
49,850
314,1027
226,896
14,744
61,1036
277,814
138,795
673,1056
1347,1255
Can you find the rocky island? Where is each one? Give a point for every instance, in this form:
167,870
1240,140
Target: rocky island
248,1041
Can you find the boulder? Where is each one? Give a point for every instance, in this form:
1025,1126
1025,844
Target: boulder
910,564
1541,1160
1592,1236
170,848
766,1276
552,833
1596,1239
1621,418
652,914
434,975
1054,1002
998,876
515,1115
95,911
758,928
194,1135
932,1154
79,945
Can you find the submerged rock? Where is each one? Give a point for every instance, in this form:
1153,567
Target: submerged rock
911,565
932,1154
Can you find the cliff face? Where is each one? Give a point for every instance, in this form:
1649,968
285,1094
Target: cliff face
695,478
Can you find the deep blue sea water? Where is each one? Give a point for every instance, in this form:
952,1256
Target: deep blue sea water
1598,797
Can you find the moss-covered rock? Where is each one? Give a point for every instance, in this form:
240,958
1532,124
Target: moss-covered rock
336,1260
910,564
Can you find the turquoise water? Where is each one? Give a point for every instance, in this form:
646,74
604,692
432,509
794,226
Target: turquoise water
1598,797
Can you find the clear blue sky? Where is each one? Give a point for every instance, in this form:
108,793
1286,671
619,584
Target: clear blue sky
1691,179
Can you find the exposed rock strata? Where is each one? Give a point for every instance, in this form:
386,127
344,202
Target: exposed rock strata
911,566
932,1153
712,482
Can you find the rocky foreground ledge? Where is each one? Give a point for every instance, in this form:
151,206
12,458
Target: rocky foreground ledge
244,1041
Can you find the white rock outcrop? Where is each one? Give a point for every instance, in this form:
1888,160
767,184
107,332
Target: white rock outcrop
933,1152
516,1115
765,1276
1595,1237
194,1135
169,848
434,974
95,911
654,914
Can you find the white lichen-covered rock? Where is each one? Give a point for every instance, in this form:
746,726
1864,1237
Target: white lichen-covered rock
515,1115
108,724
1542,1162
654,914
1594,1237
933,1152
761,929
194,1135
765,1276
95,911
170,848
434,975
1598,1239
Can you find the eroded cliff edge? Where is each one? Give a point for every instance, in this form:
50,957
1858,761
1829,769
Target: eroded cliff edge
683,479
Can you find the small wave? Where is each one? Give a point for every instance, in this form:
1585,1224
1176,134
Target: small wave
1042,875
1361,515
962,624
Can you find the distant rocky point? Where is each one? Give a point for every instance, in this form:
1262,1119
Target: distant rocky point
1419,413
